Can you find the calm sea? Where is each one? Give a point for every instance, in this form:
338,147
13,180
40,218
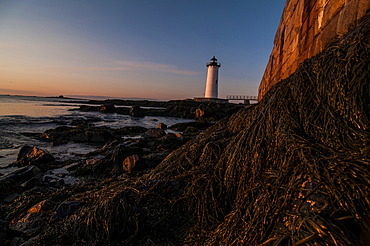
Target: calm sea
23,114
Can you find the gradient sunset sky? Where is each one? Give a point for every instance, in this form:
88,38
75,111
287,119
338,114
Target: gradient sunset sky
134,48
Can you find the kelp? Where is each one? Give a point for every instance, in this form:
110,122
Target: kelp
292,170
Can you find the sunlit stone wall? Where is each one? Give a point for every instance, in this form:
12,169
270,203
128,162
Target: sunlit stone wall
306,28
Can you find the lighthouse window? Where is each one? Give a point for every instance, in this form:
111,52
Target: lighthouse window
216,81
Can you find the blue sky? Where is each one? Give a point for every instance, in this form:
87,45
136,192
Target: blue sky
134,48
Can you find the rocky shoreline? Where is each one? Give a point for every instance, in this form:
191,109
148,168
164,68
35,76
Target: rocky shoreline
190,109
36,195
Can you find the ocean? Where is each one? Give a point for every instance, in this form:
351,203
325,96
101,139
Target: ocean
20,116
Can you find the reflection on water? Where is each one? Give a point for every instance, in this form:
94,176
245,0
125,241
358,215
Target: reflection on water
30,106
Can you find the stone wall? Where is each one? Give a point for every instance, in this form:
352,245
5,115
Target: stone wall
306,28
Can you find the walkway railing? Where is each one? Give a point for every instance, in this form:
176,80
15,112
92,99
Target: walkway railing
241,97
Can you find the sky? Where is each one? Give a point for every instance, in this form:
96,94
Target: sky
153,49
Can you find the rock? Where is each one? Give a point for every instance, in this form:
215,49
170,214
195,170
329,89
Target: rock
10,197
86,108
107,108
136,111
162,126
30,225
65,209
154,133
196,124
121,152
41,206
58,178
131,163
199,113
23,174
33,156
10,183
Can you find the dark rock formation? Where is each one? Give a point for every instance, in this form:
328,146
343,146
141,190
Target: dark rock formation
182,108
306,28
34,156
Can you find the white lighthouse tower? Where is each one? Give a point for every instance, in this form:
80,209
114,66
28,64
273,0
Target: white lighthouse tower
212,79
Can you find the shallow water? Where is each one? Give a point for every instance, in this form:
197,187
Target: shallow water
20,114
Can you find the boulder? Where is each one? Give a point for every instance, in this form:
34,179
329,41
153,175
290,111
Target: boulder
23,174
107,108
154,133
30,225
199,113
121,152
136,111
33,156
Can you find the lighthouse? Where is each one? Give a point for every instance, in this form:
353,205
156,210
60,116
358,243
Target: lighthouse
212,78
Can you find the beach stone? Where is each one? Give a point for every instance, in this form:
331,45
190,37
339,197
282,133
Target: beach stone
122,151
30,225
131,163
107,108
199,113
162,126
154,133
65,209
23,174
33,156
58,178
136,111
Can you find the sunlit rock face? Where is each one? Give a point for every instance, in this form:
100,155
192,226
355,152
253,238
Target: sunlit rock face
306,28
